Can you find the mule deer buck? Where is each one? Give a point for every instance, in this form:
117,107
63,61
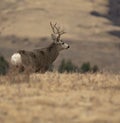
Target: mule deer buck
39,60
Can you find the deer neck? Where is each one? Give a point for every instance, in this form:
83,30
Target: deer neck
53,51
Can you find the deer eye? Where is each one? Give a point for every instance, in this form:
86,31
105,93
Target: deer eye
62,42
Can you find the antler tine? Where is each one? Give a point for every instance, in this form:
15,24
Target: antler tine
53,27
58,30
62,32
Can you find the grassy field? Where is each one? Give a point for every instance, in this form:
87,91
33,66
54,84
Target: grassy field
60,98
54,97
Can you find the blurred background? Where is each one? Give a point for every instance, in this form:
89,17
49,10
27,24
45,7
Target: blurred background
92,26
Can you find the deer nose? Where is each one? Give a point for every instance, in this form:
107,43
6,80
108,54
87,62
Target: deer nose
68,46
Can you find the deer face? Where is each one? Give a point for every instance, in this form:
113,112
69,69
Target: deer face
63,45
56,37
59,43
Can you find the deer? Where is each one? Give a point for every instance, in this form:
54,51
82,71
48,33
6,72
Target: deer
39,60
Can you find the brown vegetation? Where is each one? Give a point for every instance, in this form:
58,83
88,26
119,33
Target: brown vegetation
60,98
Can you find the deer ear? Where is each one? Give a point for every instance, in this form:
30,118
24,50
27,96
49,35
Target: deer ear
53,37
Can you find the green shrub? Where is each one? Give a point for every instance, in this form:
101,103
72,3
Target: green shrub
67,66
95,69
85,67
3,66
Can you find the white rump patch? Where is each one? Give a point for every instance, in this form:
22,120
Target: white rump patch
16,59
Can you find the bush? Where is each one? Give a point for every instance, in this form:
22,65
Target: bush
3,66
67,66
95,69
85,67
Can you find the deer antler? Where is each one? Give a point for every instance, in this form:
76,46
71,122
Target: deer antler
57,30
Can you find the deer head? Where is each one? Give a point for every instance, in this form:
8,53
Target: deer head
56,37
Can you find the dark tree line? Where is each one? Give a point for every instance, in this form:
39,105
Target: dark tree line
64,66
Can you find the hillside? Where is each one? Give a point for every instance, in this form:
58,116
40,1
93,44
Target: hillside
91,32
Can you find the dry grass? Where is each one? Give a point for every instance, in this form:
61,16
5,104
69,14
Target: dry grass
60,98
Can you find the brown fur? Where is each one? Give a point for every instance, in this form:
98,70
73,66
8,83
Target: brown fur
39,59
